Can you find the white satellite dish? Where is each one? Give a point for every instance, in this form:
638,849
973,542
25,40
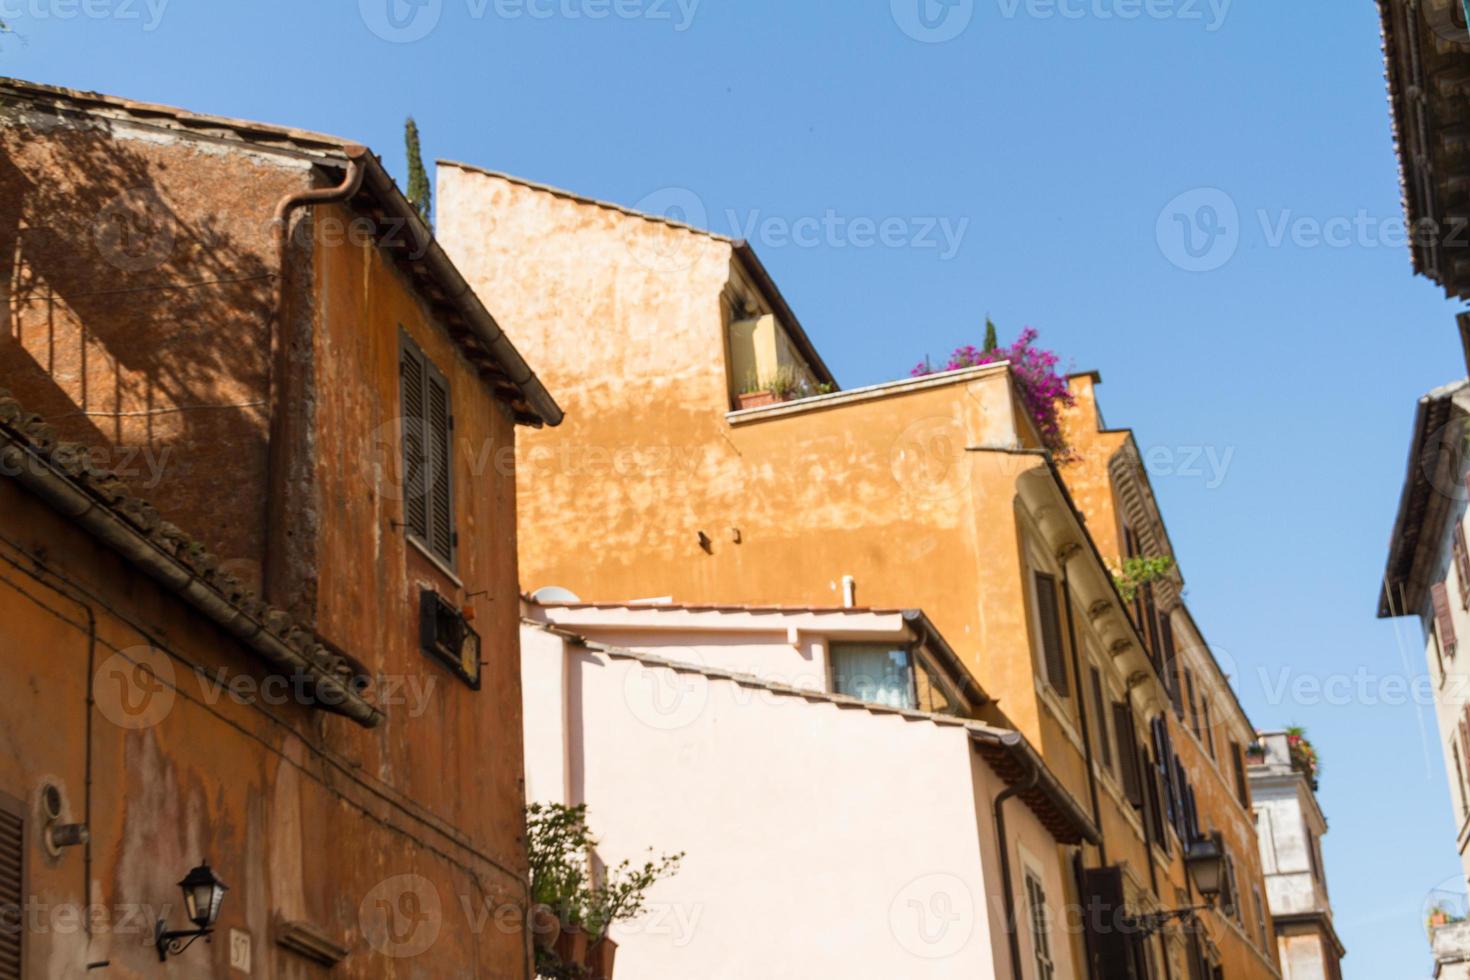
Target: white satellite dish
555,595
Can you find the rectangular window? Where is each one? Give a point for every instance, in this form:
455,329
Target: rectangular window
1209,726
1261,918
1040,927
1444,623
1193,702
12,888
1100,709
1128,754
1242,786
428,439
878,674
1049,624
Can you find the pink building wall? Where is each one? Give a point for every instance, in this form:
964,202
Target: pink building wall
822,839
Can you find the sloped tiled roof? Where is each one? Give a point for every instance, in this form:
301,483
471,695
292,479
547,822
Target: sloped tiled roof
1007,752
403,234
65,475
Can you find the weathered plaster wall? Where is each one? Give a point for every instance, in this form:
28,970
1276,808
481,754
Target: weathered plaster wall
368,576
139,288
186,765
305,815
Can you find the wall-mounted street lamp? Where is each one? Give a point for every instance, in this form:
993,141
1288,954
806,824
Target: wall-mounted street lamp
203,895
1204,860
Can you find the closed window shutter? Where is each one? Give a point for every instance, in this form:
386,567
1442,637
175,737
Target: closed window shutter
1100,708
1443,622
441,527
12,866
1051,631
415,461
1128,754
1242,785
428,442
1462,564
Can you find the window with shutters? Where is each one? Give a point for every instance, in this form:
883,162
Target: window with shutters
1242,785
1460,777
1100,709
1049,630
1444,623
12,888
1209,727
1040,927
428,441
1462,564
1128,754
1192,701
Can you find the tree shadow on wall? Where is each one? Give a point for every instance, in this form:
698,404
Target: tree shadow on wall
139,287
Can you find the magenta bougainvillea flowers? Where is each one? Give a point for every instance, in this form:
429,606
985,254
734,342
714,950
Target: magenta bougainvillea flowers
1042,389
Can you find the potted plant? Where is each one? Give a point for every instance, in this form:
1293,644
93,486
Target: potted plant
1044,392
1255,752
787,384
755,395
560,849
1303,755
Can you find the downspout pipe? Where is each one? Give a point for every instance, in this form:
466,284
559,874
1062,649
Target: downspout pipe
63,496
1008,894
275,344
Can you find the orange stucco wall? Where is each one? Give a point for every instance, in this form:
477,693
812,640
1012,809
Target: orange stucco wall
404,843
1243,950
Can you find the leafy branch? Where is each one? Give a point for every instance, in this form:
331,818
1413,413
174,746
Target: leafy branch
1135,573
560,845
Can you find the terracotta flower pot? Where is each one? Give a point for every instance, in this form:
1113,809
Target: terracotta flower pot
571,946
600,959
545,926
756,399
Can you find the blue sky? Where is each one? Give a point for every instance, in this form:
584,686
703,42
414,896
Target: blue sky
1050,139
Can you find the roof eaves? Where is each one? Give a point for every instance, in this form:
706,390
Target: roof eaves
65,478
749,260
428,261
1430,414
1051,802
